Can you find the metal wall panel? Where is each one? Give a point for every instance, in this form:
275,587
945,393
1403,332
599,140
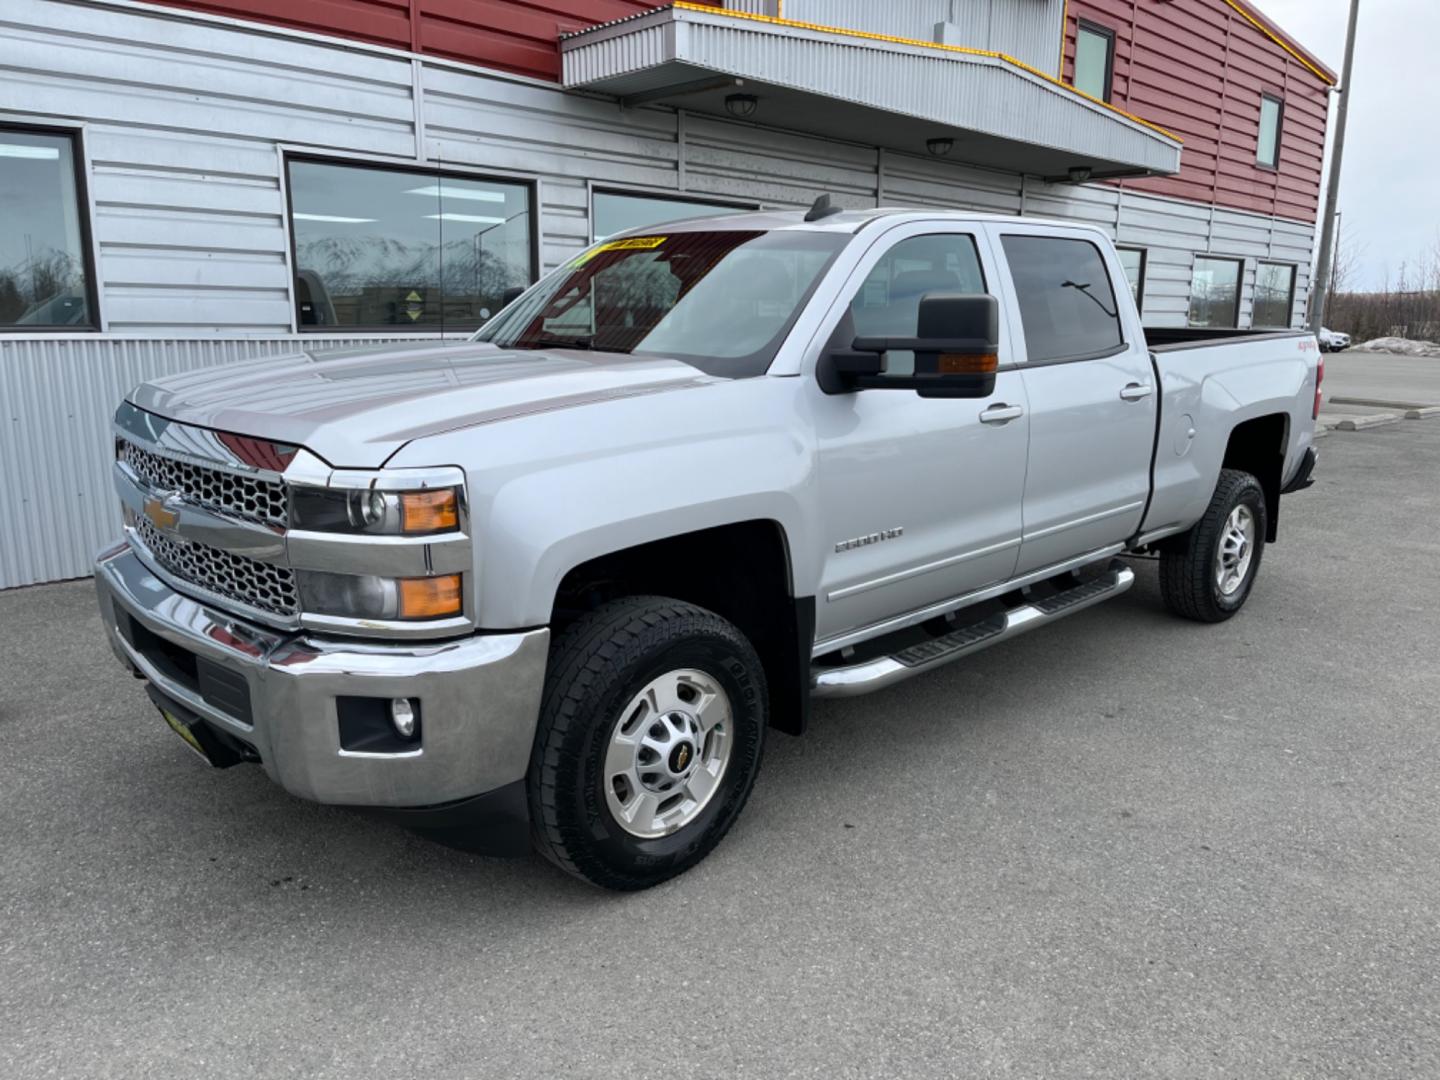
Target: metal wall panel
512,35
57,396
1028,30
1199,69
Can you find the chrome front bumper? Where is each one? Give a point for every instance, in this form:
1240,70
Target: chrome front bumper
479,695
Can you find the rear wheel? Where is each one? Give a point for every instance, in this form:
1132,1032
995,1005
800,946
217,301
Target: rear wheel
1207,573
649,741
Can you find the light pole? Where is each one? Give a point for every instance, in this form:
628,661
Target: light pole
1335,259
1319,296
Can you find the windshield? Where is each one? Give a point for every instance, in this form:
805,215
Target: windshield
721,301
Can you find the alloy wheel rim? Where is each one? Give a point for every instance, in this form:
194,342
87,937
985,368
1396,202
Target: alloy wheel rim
1235,551
668,752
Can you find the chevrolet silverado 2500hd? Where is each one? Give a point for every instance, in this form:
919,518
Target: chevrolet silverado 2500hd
551,586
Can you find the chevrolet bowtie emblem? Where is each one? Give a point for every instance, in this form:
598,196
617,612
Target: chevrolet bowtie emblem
160,515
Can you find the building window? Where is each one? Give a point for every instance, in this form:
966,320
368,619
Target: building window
1215,292
616,211
1067,305
1133,261
1094,59
46,280
1272,114
382,247
1274,295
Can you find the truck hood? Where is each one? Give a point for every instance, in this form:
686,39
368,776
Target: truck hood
356,407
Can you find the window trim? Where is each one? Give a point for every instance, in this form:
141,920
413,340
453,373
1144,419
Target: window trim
435,171
1266,95
593,188
84,212
1144,268
1289,301
1108,34
1238,260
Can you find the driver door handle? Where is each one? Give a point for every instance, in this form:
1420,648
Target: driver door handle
1136,392
1001,414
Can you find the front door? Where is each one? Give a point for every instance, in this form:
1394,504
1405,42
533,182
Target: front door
920,496
1092,396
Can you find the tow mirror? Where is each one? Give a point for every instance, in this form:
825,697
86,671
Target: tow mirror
956,348
510,295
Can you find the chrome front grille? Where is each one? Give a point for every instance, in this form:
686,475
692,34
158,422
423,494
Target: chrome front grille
268,588
247,497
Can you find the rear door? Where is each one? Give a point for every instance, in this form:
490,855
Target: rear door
1091,390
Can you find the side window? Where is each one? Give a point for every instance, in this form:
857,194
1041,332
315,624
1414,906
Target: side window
1067,304
1267,147
1094,59
888,302
45,273
1215,291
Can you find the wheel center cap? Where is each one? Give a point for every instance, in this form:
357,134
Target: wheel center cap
681,757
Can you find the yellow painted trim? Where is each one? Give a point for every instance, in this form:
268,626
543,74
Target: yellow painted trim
1064,33
684,5
1279,41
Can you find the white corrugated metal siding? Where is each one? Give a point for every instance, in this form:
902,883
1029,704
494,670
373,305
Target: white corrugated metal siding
186,118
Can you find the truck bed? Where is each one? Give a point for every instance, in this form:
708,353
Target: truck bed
1174,338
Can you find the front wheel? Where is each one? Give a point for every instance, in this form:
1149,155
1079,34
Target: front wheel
1207,573
649,741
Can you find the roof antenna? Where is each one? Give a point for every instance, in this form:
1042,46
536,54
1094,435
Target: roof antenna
821,209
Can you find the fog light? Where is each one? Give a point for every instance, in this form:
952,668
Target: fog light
402,715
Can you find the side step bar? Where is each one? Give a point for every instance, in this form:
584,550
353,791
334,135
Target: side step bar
917,659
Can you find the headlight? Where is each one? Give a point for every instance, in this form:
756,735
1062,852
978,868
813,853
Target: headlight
378,513
361,596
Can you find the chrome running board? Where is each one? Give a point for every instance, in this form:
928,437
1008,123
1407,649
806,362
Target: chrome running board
924,656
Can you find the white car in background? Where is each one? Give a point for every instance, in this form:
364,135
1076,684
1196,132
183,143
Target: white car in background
1333,340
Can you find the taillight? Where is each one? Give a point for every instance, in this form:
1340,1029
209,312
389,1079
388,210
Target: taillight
1319,381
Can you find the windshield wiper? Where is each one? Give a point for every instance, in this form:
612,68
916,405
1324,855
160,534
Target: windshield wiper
581,341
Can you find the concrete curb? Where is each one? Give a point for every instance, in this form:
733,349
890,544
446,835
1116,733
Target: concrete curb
1375,403
1360,423
1424,412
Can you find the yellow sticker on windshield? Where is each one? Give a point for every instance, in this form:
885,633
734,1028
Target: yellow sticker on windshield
632,243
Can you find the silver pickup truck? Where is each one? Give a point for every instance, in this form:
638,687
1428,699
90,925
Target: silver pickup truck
550,587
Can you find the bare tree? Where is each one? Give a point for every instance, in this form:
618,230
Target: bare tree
1409,307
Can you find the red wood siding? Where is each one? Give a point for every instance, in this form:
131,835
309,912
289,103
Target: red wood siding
512,35
1198,69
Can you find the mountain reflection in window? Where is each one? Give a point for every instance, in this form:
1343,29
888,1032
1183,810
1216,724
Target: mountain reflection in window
378,247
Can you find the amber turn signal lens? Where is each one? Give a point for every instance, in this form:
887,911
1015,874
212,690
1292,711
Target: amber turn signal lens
430,597
957,364
429,511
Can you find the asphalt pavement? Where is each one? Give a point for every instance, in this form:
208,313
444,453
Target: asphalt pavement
1413,380
1123,847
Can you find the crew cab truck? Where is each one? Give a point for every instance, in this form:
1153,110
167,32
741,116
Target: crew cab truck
552,585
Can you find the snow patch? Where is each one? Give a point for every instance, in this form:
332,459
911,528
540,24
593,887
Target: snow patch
1398,346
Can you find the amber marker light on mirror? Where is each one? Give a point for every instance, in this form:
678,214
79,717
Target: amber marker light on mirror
429,511
430,598
957,364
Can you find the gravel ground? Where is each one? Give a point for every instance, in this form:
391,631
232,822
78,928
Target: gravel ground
1124,847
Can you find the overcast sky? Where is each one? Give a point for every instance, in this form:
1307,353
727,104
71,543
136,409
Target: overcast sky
1390,187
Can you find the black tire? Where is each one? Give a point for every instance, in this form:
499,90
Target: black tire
1188,584
596,667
